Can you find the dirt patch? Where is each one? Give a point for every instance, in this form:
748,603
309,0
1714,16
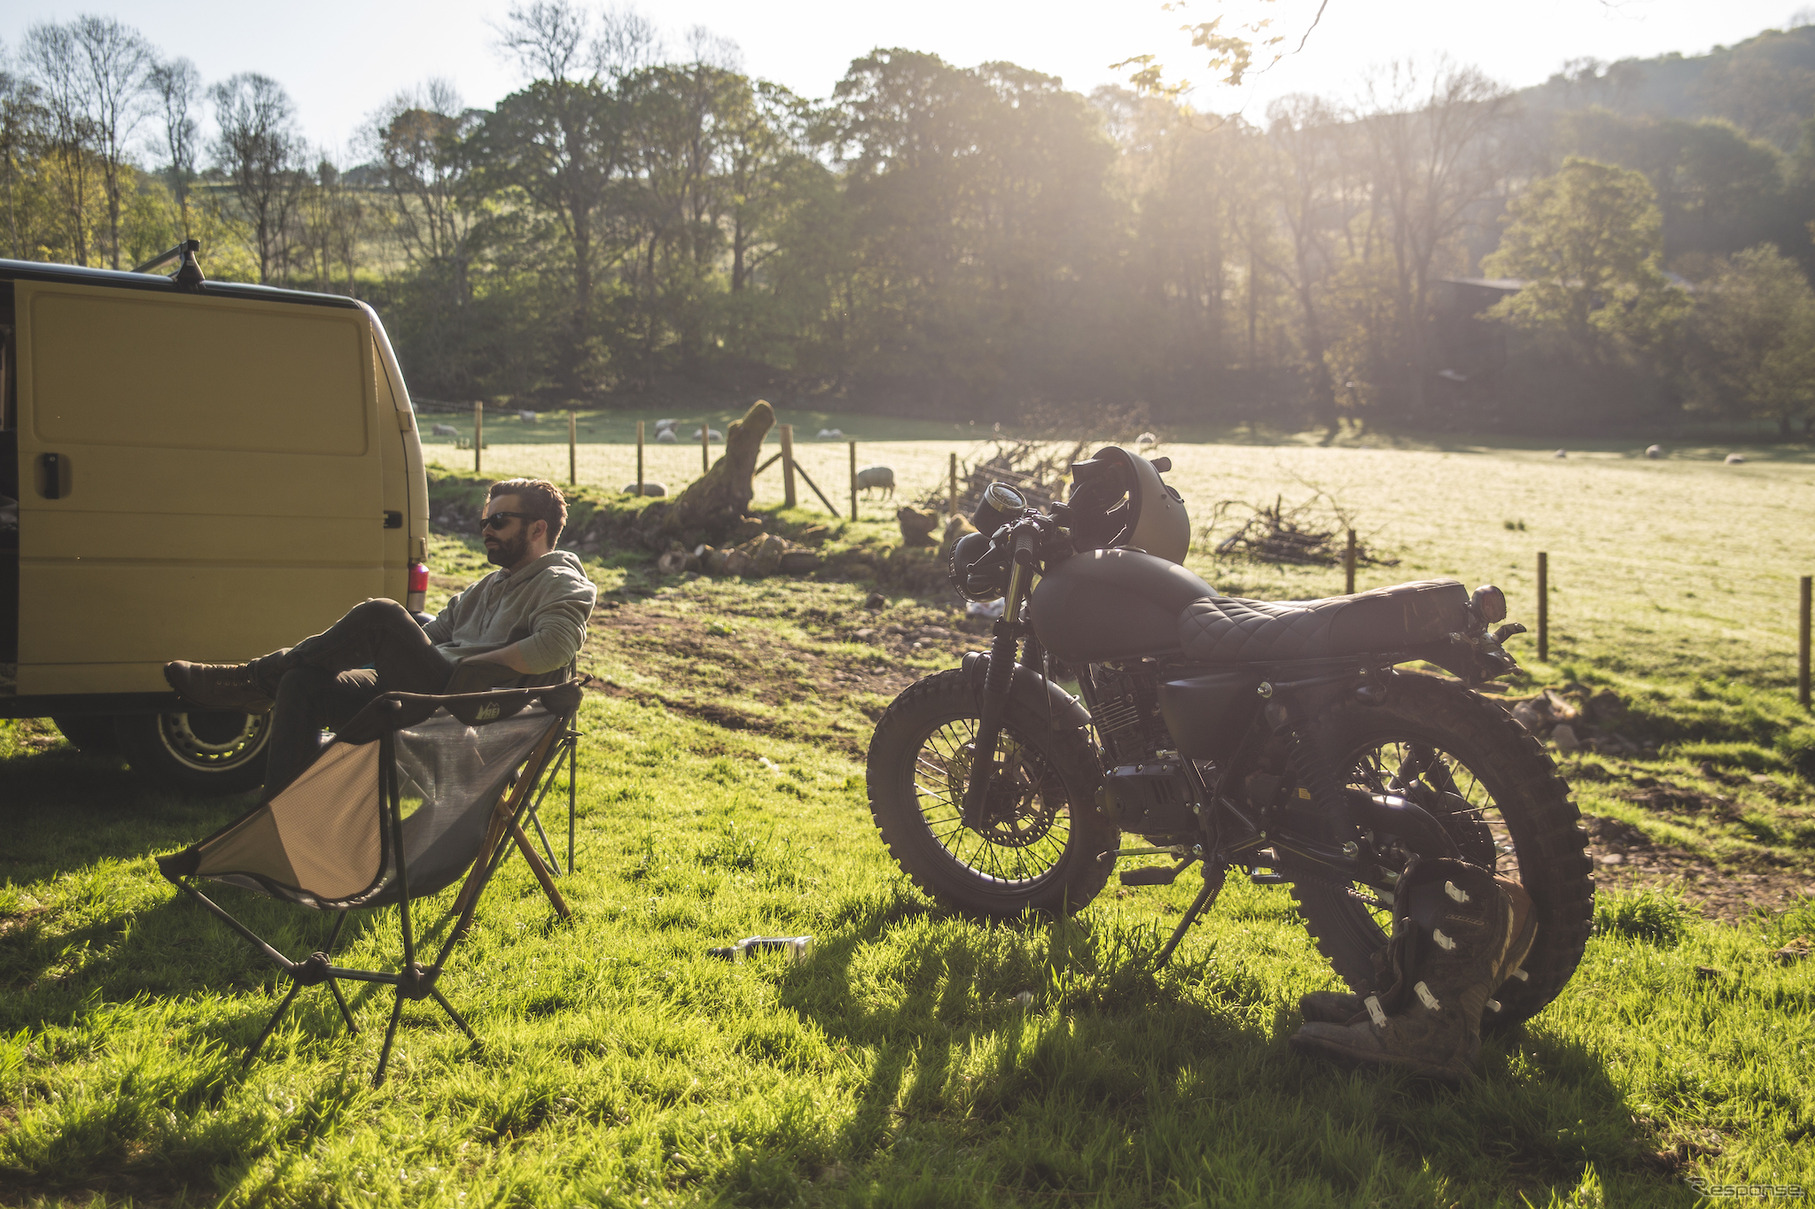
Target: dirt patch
807,661
1625,857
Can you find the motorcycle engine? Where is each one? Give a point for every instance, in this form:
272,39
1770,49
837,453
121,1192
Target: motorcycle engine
1146,789
1125,707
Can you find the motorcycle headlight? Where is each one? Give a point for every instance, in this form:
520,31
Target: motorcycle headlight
972,571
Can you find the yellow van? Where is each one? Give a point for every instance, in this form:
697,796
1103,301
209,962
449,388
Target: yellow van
189,470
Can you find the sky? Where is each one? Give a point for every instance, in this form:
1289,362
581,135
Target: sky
342,59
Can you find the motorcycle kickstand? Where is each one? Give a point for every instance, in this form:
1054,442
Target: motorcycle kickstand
1206,897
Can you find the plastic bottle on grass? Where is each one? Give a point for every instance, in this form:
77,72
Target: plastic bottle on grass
794,946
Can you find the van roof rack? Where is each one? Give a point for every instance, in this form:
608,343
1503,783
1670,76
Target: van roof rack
188,275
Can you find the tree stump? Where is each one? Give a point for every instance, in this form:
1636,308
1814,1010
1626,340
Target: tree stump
717,500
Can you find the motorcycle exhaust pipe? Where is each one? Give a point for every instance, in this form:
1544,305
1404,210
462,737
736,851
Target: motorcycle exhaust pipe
1417,827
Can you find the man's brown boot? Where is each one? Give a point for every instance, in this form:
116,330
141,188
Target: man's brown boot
1346,1007
1455,928
218,685
1331,1007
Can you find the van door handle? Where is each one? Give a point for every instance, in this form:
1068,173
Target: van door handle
53,472
393,520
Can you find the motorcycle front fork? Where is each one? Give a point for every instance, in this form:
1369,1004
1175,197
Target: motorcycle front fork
996,688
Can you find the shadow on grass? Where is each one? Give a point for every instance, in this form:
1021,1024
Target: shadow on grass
62,811
1182,1083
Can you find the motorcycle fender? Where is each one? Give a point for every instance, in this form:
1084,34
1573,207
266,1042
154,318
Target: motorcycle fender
1032,690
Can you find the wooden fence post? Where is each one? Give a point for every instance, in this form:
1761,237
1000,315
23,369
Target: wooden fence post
952,483
705,446
853,480
788,499
1348,565
1543,607
573,445
479,437
639,459
1802,644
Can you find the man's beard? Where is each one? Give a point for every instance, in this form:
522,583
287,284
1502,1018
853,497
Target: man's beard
508,552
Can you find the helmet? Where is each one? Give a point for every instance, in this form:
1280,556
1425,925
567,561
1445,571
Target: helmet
1118,500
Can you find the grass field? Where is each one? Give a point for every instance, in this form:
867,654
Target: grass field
722,795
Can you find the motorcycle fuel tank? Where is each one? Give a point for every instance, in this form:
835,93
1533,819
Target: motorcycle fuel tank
1104,605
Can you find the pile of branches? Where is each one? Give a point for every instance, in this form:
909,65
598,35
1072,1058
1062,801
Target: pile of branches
1039,469
1302,534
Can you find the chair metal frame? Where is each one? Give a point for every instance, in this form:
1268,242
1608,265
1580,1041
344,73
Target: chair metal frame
413,980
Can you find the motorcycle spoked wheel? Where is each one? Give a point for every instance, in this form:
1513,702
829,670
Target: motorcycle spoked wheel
1039,848
1497,792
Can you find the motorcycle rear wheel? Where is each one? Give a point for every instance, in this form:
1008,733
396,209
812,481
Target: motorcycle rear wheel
1467,761
1040,851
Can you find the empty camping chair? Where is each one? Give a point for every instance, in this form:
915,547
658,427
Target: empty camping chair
412,794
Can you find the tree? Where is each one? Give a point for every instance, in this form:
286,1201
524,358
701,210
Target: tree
176,85
23,138
53,59
1433,140
1303,132
1586,242
114,58
257,149
333,217
1751,347
560,140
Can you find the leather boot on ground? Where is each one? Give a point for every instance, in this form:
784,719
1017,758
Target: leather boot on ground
1455,931
218,685
1346,1007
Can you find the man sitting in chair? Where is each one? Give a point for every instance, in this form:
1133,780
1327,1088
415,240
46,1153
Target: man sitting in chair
521,625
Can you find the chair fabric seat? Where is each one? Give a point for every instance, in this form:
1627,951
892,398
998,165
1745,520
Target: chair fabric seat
1228,629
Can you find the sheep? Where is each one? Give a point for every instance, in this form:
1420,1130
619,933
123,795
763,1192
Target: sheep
655,489
831,434
527,416
445,430
879,477
1654,451
712,434
1561,453
661,424
665,435
1735,459
1145,439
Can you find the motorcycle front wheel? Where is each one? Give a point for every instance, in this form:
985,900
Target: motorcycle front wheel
1041,843
1497,792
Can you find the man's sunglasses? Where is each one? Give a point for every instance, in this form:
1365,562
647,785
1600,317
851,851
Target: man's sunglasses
498,520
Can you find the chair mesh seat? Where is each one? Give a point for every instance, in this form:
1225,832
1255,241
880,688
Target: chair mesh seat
320,841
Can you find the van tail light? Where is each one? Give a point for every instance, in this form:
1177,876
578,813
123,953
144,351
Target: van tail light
419,588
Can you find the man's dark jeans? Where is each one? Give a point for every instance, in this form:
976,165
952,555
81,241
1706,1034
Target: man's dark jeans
324,680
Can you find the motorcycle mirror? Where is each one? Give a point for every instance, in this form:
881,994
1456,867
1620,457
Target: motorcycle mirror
1161,464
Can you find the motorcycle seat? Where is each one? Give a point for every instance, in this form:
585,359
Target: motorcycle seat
1228,629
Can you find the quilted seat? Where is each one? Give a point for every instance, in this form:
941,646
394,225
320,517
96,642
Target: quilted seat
1227,629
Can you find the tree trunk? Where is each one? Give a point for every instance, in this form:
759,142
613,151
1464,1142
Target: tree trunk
720,496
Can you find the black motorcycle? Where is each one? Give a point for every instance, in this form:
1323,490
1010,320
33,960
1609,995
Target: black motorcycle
1282,740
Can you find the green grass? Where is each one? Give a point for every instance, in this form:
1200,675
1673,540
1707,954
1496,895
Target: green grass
621,1065
894,1066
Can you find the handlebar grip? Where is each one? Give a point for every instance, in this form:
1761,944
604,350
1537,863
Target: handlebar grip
1025,547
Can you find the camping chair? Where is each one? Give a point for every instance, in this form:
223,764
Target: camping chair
339,837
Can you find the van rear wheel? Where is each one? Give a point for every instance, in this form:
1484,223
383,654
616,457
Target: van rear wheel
206,752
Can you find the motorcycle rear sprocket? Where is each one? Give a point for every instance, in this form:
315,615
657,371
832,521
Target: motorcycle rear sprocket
1509,782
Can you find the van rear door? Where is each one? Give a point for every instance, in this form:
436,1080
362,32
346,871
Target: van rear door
203,480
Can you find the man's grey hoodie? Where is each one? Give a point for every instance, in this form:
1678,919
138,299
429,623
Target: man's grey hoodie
544,606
